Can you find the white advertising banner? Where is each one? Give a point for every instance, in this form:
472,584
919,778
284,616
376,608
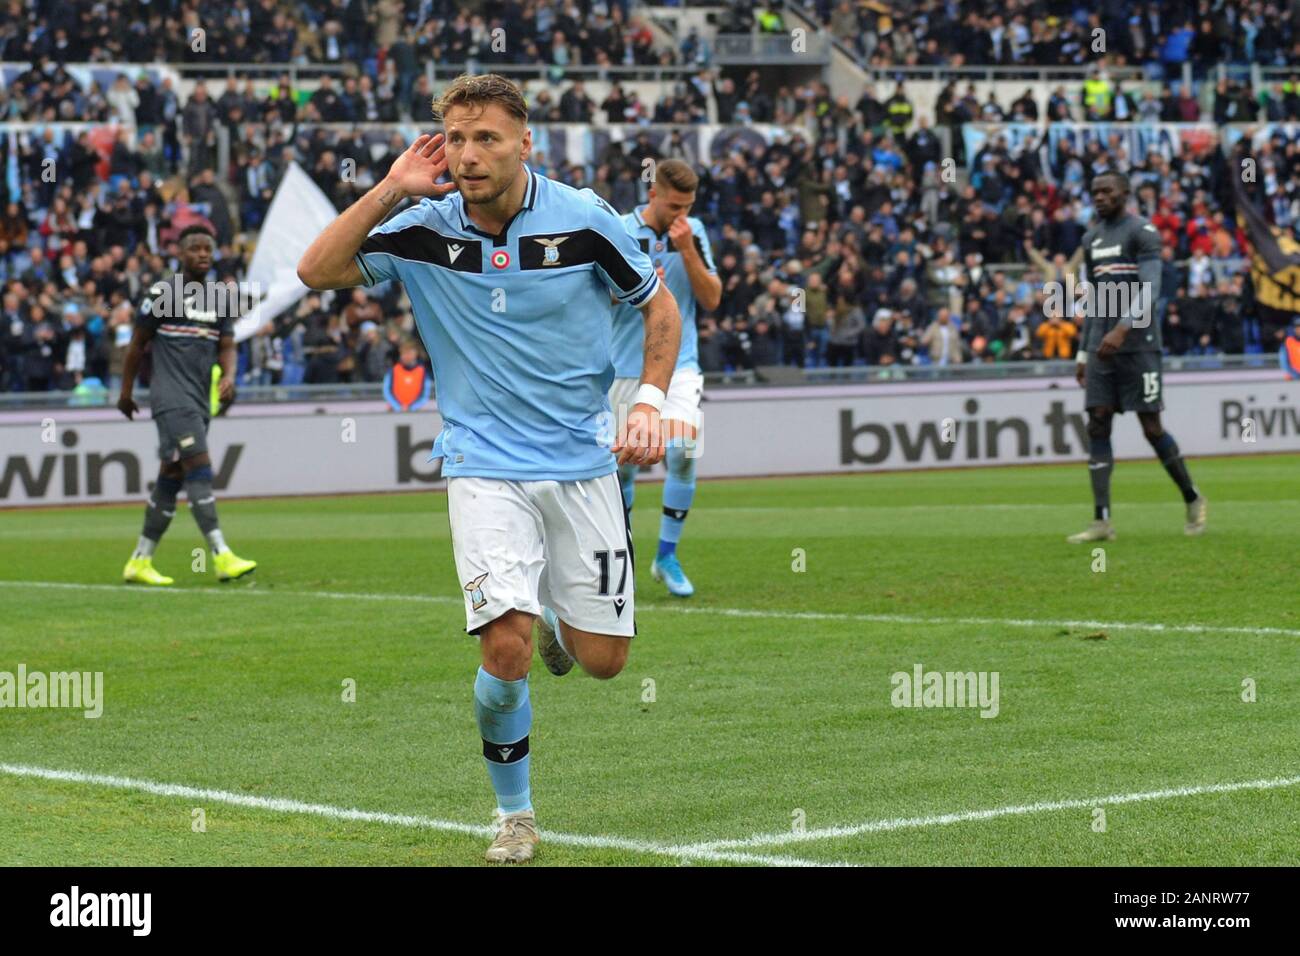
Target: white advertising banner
57,458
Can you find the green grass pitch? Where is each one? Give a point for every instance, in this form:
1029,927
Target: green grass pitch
770,705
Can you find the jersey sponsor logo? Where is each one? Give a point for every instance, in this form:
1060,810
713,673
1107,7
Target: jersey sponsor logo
195,314
500,259
551,256
454,249
1104,251
475,591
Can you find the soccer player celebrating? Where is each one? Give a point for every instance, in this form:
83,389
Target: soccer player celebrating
510,279
1119,360
189,336
679,248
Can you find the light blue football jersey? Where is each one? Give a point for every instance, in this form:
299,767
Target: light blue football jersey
629,328
517,326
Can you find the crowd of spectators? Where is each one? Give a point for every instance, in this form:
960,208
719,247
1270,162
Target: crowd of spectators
367,32
848,248
1159,34
849,243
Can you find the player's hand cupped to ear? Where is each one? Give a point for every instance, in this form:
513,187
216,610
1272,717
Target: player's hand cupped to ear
417,170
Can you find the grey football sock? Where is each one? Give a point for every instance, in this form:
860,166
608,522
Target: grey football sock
158,514
203,505
1101,461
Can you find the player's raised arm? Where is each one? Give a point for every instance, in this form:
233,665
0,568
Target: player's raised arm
330,262
698,260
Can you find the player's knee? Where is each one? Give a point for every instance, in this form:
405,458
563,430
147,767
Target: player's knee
196,463
1151,427
507,659
680,459
607,660
1099,423
507,645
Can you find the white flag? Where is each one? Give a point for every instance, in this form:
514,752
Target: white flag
299,212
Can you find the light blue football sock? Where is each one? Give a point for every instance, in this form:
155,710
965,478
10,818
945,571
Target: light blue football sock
505,715
679,492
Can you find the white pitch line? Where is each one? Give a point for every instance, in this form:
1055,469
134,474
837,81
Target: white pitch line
908,619
904,823
286,805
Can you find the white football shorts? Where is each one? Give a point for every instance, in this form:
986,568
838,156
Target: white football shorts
682,402
520,545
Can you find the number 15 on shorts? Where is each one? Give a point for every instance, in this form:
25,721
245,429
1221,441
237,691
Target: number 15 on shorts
1150,386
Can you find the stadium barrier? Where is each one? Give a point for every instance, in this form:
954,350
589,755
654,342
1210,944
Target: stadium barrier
72,456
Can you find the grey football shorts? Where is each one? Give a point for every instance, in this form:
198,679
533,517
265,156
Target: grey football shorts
1126,382
182,433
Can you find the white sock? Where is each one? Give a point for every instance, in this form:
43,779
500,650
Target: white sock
216,541
553,619
144,548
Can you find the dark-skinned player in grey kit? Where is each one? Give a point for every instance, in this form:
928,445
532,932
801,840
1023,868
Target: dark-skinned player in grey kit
189,335
1119,359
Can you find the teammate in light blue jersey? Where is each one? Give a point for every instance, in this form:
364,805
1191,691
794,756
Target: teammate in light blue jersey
511,278
679,248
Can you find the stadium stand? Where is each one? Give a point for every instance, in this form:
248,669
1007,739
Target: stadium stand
845,227
1163,34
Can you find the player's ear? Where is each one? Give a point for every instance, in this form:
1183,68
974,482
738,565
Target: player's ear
526,145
